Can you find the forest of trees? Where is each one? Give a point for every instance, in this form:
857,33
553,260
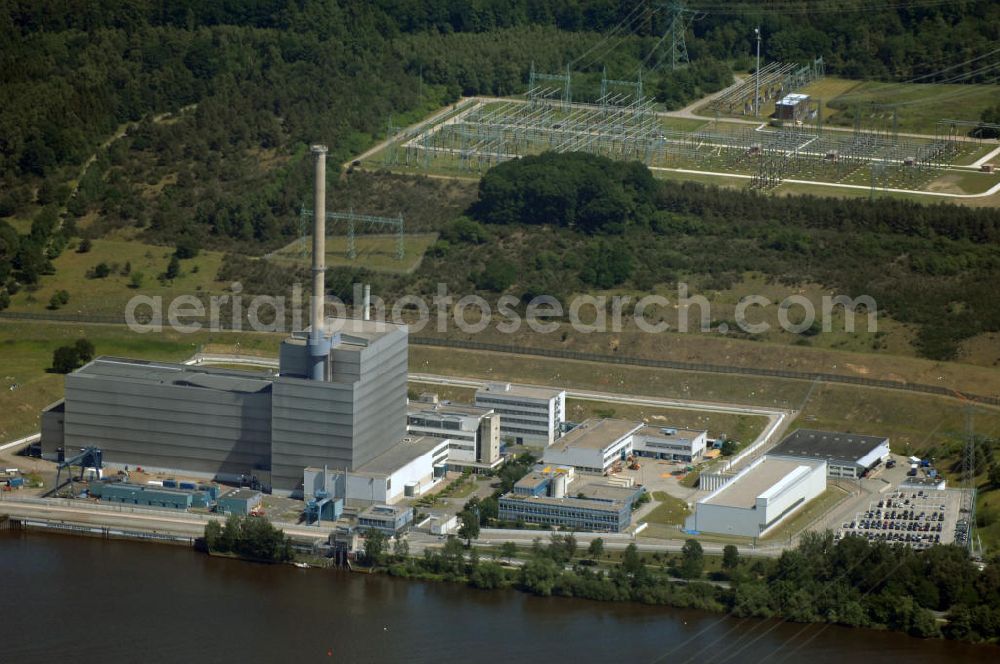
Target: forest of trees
917,261
247,86
851,582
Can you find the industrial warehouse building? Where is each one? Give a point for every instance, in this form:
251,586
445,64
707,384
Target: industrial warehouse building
847,455
759,497
229,425
594,446
597,445
338,401
473,432
406,470
528,415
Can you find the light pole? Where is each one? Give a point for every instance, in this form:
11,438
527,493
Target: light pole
756,96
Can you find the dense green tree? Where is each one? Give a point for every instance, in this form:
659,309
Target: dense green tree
508,550
469,530
173,268
65,359
730,557
596,548
376,542
692,559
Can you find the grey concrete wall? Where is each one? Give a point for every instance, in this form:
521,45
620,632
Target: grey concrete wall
380,397
169,426
53,427
312,423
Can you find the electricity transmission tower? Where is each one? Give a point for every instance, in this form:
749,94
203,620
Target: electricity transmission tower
394,224
680,20
968,507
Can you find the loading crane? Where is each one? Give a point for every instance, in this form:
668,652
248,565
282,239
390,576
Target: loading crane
89,457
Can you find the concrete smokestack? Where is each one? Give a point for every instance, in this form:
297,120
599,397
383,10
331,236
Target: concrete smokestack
367,303
319,346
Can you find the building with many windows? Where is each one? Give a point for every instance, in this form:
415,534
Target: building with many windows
546,498
528,415
390,519
847,455
473,433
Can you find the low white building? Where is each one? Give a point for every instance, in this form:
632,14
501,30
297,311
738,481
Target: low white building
670,443
528,415
593,446
473,433
408,469
761,496
847,455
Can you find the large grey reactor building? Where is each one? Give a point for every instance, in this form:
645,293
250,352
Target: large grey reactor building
338,401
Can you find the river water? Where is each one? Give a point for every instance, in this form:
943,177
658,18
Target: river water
86,600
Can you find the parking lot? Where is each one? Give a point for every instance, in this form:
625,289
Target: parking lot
918,518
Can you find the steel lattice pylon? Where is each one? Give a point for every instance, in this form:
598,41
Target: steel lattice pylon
353,221
680,20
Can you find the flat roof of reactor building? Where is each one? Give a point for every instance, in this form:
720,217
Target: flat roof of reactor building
351,331
829,445
512,390
166,373
744,490
594,434
407,450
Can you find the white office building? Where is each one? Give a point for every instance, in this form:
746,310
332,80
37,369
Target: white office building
528,415
670,443
761,496
473,433
593,446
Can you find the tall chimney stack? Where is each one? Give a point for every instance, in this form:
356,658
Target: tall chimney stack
367,313
319,345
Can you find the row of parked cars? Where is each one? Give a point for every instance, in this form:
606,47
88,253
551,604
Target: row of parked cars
913,519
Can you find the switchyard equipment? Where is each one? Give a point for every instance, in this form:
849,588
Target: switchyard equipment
624,127
773,80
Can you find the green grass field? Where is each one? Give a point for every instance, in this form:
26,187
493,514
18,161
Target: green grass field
374,252
108,296
671,511
920,106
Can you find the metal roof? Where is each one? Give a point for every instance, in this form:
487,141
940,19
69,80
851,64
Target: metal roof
405,451
745,488
828,445
594,434
183,375
658,432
